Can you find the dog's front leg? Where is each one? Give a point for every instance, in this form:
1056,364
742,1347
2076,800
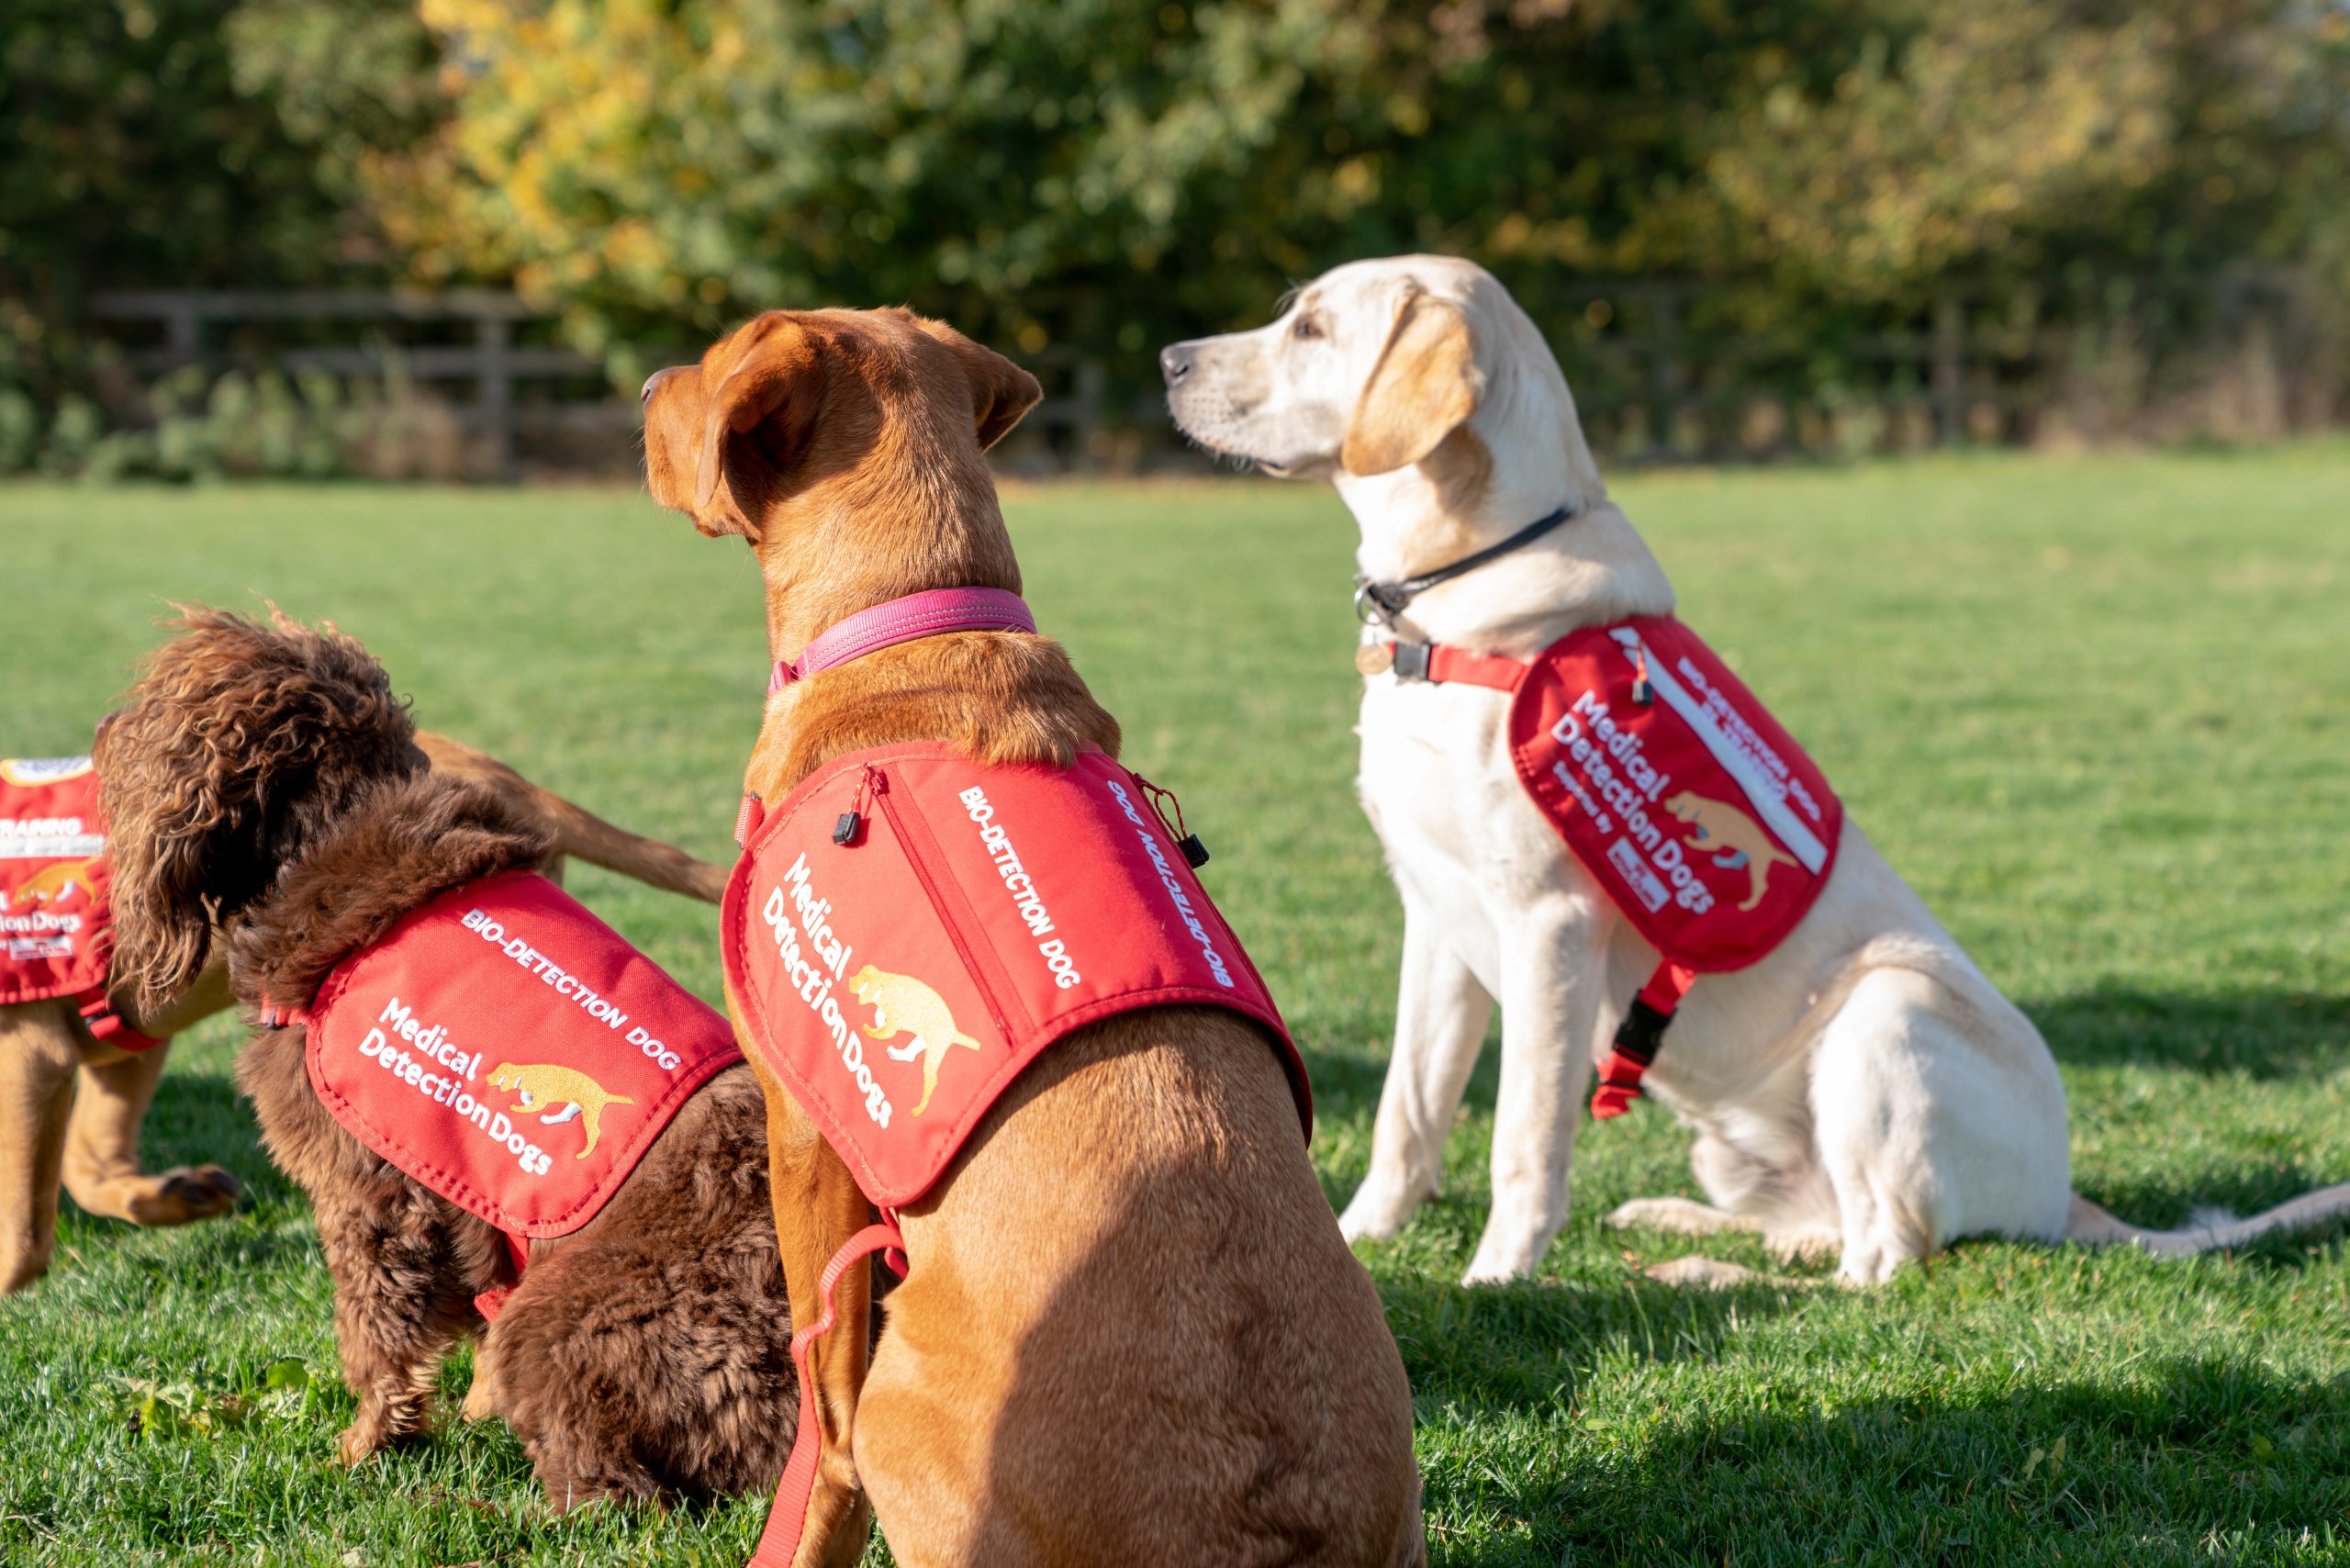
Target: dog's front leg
818,1207
102,1167
399,1305
1440,1017
1552,967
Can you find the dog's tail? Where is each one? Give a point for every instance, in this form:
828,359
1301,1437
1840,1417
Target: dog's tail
2097,1226
579,832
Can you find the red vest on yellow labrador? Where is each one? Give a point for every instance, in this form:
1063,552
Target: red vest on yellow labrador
1701,817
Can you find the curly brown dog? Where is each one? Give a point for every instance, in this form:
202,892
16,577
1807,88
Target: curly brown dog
1131,1332
85,1137
266,794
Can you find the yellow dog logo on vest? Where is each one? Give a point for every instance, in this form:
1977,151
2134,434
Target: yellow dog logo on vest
54,883
904,1005
546,1084
1739,837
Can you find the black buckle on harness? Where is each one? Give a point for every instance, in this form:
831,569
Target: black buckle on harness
1411,661
1642,1033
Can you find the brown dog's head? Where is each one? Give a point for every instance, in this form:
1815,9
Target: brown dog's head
238,742
842,443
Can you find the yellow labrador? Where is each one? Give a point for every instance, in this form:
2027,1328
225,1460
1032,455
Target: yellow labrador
1865,1089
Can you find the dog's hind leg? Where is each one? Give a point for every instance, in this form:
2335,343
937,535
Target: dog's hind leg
102,1167
1440,1017
38,1056
1937,1115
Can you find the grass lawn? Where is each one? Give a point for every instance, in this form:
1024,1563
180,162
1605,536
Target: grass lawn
2094,710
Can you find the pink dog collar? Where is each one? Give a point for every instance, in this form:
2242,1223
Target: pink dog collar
925,615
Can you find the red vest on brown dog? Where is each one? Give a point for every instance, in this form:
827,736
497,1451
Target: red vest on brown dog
55,923
510,1051
899,973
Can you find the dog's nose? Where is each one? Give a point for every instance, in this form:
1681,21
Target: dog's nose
1175,361
653,382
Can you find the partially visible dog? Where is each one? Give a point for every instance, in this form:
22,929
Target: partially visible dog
266,798
1865,1089
72,1105
1131,1332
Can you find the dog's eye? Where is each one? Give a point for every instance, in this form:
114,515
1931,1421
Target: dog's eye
1306,327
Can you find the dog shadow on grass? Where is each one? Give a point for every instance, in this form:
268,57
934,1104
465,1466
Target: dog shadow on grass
2169,1461
2264,1035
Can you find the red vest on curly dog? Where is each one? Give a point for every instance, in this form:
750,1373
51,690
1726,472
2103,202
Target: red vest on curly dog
509,1050
1704,821
55,922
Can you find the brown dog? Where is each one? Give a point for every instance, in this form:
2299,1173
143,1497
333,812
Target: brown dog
87,1137
1131,1332
265,794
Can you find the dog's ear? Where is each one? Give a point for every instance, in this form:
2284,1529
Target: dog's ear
239,740
777,382
1424,385
1001,393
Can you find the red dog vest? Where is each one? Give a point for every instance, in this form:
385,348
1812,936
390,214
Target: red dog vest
509,1050
910,930
1701,817
54,916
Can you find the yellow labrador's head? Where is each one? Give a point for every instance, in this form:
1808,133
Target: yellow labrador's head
1415,384
1369,369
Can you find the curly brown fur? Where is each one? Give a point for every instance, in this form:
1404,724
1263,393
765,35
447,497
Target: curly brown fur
650,1356
205,685
241,742
647,1355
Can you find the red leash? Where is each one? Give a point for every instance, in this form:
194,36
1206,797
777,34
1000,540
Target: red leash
787,1520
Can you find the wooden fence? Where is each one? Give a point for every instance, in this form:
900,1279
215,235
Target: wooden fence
1660,371
197,328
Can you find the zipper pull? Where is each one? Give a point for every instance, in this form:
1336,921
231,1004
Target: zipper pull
1195,853
850,824
1643,694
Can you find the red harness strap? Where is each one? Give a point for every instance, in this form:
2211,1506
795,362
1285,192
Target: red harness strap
787,1520
107,1026
1637,1039
491,1301
1452,666
1640,1033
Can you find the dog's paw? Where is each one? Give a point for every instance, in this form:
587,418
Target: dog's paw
360,1442
183,1196
1704,1273
1499,1263
1684,1215
1374,1215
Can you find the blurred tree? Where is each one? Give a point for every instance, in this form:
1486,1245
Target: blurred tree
187,143
1101,174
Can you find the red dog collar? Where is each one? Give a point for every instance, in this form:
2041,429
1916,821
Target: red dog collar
928,614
